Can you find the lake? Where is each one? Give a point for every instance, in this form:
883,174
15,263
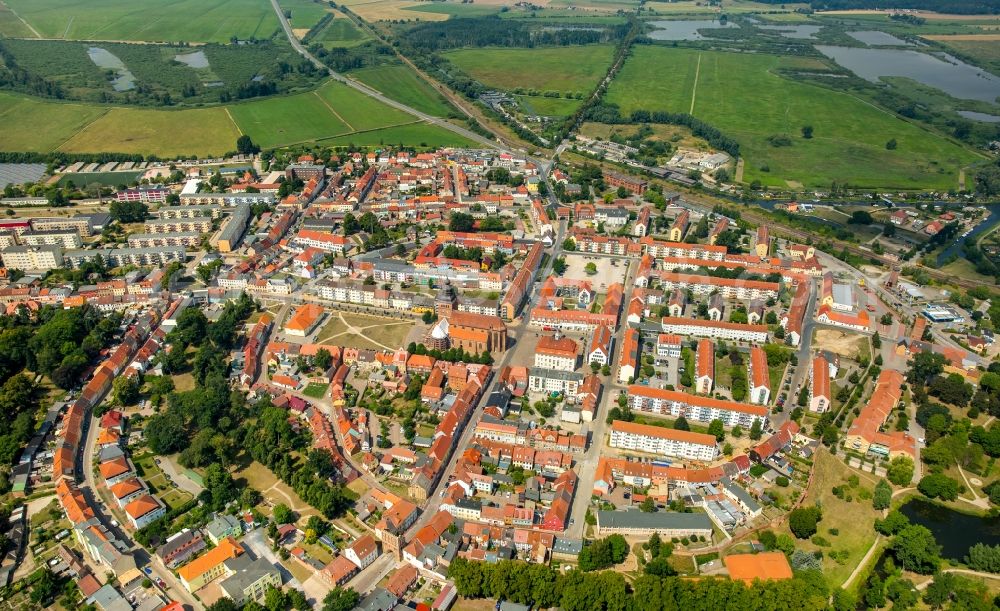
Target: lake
196,60
954,531
681,29
982,117
876,38
801,32
944,72
109,61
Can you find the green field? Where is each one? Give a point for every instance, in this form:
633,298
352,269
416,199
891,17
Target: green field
305,13
741,95
10,25
548,107
33,125
565,69
163,132
287,120
455,9
419,134
340,33
403,85
111,179
149,20
359,111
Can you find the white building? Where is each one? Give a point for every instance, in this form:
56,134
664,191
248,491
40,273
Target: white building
663,441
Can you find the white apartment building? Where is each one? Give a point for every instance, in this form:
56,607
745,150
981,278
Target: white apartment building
694,407
663,441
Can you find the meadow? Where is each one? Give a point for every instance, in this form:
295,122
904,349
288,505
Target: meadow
565,69
340,32
359,111
741,95
149,20
421,135
11,25
305,13
163,132
287,120
403,85
34,125
548,107
383,10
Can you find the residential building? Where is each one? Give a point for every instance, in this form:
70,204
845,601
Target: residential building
67,238
674,403
554,380
32,258
144,510
556,352
209,566
759,377
668,346
705,367
865,434
819,385
363,551
599,350
177,549
305,320
663,441
665,523
715,329
628,364
248,579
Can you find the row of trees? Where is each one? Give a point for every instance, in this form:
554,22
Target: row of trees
543,586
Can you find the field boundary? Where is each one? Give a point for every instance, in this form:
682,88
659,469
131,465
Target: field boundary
82,129
363,131
694,88
21,19
335,113
233,121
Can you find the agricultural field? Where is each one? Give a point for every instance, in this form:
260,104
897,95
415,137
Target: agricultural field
287,120
403,85
725,89
31,124
388,10
11,25
163,20
455,9
565,69
420,135
340,33
548,107
359,111
160,132
305,14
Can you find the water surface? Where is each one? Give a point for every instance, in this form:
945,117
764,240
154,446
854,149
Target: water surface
196,60
685,29
954,531
877,38
801,31
982,117
944,72
107,60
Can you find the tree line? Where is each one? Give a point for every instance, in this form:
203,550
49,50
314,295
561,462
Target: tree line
606,112
493,31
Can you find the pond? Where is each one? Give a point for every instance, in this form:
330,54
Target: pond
944,72
196,60
109,61
801,32
876,38
680,29
954,531
982,117
958,246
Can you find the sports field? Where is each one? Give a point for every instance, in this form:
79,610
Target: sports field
401,84
165,132
565,69
150,20
741,95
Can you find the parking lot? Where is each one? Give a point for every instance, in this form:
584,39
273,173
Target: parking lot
609,270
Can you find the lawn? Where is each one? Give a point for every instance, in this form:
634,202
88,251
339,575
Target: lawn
853,520
563,69
359,111
403,85
340,32
548,107
149,20
421,135
31,124
287,120
316,391
275,491
157,132
175,498
742,96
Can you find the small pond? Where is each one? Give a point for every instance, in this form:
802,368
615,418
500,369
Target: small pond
876,38
982,117
954,531
944,72
685,29
801,31
109,61
196,60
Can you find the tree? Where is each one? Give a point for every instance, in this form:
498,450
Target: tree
282,514
984,558
681,424
861,217
245,146
647,505
939,486
590,268
875,592
900,471
891,145
340,599
755,430
717,429
803,521
882,496
323,359
125,389
559,266
916,550
459,221
807,131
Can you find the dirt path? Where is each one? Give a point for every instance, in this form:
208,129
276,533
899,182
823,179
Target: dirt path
864,562
694,90
235,124
21,19
360,331
335,113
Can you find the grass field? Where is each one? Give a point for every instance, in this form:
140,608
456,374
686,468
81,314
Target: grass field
565,69
11,26
419,134
164,132
549,107
359,111
383,10
675,134
316,391
274,490
149,20
403,85
305,13
112,179
740,94
33,125
340,32
455,9
286,120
